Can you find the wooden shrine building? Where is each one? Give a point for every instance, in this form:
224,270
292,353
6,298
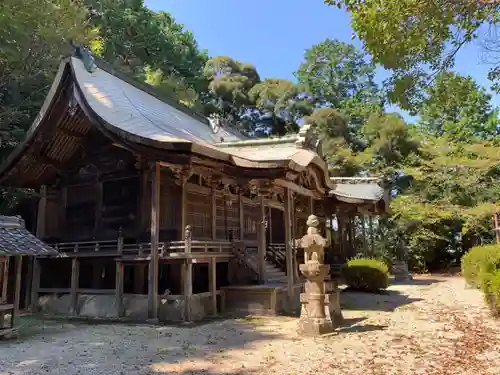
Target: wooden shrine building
157,212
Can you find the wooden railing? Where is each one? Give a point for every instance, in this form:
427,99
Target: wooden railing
245,256
117,247
276,254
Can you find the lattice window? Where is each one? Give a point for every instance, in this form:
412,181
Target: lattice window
199,215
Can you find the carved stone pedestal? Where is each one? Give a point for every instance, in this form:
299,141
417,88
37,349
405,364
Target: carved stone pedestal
315,318
400,271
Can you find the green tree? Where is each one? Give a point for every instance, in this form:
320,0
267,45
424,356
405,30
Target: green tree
333,72
132,37
458,107
281,103
230,82
339,76
419,39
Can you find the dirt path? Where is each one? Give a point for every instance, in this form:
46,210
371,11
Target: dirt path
432,326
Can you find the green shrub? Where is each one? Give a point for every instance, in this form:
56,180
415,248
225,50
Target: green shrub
476,259
365,274
491,289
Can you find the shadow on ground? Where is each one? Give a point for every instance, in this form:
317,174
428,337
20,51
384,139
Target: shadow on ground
82,348
387,301
420,281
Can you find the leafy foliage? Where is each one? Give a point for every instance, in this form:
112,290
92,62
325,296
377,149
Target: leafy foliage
417,39
365,274
474,261
458,107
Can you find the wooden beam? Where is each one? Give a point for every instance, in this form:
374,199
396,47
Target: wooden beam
5,280
288,243
262,240
212,277
213,212
119,289
35,284
42,213
311,206
155,232
270,224
296,188
17,290
242,215
188,288
75,278
71,133
372,237
363,232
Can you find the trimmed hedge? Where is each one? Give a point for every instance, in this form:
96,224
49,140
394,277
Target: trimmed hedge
481,269
476,258
366,274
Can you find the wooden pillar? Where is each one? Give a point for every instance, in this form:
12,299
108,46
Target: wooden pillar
242,215
75,279
155,232
17,290
183,206
5,280
270,224
35,284
372,236
288,242
262,241
213,211
311,206
42,213
119,289
363,232
187,275
212,277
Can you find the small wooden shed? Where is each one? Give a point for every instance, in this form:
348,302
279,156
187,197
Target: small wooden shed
15,242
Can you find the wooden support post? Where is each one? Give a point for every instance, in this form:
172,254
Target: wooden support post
17,291
311,206
42,213
188,287
119,289
183,206
372,235
213,211
212,277
155,232
75,279
262,241
5,280
270,224
288,242
242,215
35,284
363,232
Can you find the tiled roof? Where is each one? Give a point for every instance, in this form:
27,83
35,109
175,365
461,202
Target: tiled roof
16,240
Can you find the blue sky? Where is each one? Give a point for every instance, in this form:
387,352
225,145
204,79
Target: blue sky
273,34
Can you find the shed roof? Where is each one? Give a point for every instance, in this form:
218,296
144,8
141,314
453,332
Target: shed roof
16,240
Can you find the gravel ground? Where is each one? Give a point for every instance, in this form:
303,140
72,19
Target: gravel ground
432,326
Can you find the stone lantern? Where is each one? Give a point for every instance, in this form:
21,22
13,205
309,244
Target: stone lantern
320,306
